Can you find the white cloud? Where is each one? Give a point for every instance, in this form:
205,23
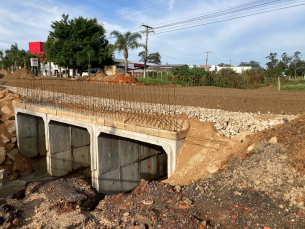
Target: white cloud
242,39
171,4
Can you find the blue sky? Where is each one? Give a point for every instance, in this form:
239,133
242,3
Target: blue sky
243,39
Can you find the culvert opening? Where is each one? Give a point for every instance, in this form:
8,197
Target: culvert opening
69,150
123,162
31,136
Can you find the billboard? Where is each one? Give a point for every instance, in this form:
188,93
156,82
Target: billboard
34,62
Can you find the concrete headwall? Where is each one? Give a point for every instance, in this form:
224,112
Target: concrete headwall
69,148
125,162
31,135
119,155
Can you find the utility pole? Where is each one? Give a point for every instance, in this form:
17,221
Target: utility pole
206,61
230,62
147,31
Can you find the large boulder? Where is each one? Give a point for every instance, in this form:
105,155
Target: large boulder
11,127
6,110
2,155
4,139
12,154
3,94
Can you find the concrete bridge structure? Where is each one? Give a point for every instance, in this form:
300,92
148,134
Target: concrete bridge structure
118,154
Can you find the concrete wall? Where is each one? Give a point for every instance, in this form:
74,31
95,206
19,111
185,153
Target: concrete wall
69,148
125,162
31,135
118,158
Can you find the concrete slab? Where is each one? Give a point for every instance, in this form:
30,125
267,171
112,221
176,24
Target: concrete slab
108,148
129,151
79,136
28,147
61,163
109,182
81,157
130,177
148,168
59,137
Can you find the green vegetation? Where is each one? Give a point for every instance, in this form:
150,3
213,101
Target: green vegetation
14,58
152,81
78,43
126,41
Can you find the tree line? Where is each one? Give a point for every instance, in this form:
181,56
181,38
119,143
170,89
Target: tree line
289,65
14,57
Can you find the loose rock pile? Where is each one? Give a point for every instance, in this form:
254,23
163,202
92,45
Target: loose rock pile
230,123
10,159
266,169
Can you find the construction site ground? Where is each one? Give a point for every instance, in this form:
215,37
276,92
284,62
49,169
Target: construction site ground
253,180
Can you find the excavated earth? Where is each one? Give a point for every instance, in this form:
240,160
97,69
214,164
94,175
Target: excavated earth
251,180
260,184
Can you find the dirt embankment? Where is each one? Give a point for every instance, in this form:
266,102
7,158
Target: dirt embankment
250,181
10,159
3,73
22,73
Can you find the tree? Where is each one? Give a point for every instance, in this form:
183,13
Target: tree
244,64
154,58
142,55
151,58
24,58
221,65
273,61
13,56
254,64
296,62
70,39
86,56
124,42
285,61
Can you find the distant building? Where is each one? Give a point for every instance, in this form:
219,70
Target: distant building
238,69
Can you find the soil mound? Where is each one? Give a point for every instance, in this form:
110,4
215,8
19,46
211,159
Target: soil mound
99,76
22,73
3,73
73,190
125,79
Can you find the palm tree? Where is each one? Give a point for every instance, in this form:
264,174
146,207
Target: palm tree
24,58
126,41
14,52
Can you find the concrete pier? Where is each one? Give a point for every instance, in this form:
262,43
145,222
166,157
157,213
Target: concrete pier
118,154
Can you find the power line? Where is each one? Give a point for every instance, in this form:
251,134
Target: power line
229,19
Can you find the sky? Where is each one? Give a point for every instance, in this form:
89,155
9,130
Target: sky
250,30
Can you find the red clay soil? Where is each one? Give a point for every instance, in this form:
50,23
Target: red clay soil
125,79
99,76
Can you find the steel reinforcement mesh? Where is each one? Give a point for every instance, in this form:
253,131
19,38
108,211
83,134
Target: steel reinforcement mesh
149,106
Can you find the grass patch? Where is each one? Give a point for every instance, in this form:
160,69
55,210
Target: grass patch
151,81
298,87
